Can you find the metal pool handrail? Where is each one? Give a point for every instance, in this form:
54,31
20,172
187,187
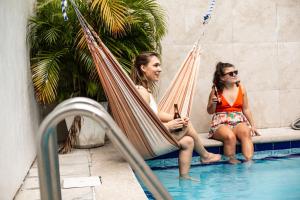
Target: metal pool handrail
81,100
48,166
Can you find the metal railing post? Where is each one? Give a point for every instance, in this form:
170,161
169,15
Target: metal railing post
48,166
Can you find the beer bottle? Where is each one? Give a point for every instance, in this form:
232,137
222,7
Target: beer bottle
176,116
216,94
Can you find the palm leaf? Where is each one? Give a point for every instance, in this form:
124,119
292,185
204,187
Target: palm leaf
45,75
152,17
51,35
84,57
113,15
43,4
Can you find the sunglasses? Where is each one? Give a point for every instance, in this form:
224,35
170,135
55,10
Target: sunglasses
233,73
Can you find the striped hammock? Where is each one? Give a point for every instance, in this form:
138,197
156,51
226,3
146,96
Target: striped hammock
133,115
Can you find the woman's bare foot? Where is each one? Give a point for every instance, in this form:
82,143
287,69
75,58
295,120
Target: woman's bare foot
233,161
188,177
210,158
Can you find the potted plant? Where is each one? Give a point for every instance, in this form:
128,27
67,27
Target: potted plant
61,64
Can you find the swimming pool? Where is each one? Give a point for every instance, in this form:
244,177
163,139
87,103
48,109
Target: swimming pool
272,175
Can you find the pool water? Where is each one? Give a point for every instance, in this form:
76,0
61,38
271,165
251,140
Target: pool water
269,177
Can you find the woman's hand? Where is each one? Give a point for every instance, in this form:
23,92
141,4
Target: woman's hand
254,131
175,124
215,99
215,96
185,121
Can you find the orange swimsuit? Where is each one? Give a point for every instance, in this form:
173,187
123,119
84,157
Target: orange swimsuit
226,114
237,106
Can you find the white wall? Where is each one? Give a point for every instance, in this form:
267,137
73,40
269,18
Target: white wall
261,38
19,117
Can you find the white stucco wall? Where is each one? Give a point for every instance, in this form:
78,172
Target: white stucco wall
19,115
261,38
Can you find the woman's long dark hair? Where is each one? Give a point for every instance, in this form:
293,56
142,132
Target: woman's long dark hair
218,73
137,75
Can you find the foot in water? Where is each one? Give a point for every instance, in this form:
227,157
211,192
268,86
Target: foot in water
233,161
188,178
211,158
248,163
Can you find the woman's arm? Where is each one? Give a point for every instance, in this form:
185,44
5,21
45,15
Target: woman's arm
166,118
171,123
212,103
247,112
163,116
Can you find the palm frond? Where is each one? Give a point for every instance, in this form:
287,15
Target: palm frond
51,35
151,17
92,88
45,75
113,14
86,59
43,4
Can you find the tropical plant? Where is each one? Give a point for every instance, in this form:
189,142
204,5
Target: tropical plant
61,64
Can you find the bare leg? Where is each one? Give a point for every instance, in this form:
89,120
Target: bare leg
185,155
226,135
243,134
206,157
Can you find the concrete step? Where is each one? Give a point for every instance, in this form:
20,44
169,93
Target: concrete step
268,135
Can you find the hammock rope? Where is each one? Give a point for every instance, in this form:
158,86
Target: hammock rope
64,6
207,15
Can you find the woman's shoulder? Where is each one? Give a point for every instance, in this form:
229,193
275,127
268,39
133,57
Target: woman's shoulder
141,88
143,92
242,87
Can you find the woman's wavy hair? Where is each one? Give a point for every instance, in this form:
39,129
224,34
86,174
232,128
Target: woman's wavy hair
218,73
137,75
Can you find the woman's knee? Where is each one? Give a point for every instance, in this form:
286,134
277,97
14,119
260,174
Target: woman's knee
244,133
187,142
225,134
230,138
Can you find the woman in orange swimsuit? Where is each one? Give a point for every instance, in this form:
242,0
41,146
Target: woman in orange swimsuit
232,119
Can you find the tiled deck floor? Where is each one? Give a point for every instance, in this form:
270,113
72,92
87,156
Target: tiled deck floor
118,181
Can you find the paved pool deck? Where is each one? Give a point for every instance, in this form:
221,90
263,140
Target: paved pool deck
118,179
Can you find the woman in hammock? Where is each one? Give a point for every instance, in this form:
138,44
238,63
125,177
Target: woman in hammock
145,73
232,119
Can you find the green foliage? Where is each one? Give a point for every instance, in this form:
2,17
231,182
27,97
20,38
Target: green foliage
61,64
112,15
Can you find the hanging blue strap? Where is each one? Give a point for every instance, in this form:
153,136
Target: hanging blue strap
207,15
64,5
